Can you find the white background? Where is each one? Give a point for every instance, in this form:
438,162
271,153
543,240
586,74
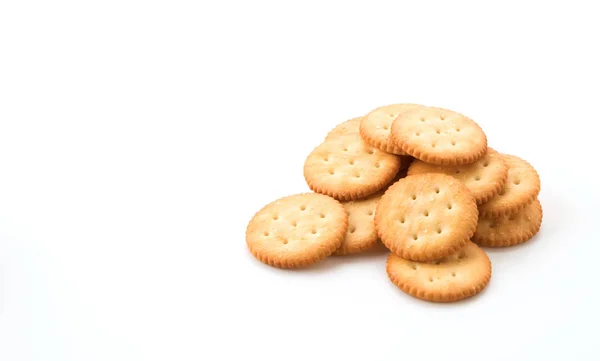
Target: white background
138,138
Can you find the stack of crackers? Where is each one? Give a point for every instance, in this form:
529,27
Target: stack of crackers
420,180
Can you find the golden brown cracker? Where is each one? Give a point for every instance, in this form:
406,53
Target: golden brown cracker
297,230
452,278
521,188
375,127
426,216
361,234
511,229
439,136
346,168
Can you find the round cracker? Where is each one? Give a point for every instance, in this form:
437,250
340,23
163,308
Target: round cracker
484,178
375,127
426,216
297,231
346,168
439,136
521,188
458,276
361,234
511,229
348,127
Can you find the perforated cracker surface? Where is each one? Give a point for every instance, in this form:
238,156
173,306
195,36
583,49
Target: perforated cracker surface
298,230
439,136
426,216
376,126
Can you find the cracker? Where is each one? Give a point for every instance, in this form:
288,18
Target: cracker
346,168
297,231
484,178
361,234
521,188
458,276
426,216
376,126
511,229
347,127
439,136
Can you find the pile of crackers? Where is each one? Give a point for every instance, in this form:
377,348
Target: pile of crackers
420,180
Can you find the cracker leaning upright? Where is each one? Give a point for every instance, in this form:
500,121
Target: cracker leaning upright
375,127
458,276
520,189
346,168
298,230
426,216
439,136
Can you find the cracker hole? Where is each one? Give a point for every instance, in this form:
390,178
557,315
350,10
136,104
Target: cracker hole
351,162
449,206
517,182
352,229
414,197
437,190
413,266
418,134
437,262
458,129
402,220
331,171
477,178
485,164
345,149
370,213
502,192
302,208
439,230
377,165
371,151
284,241
294,223
492,225
357,176
313,231
326,159
453,143
430,279
275,217
392,115
426,214
437,131
442,117
322,215
267,234
457,171
432,145
453,274
386,127
415,237
422,119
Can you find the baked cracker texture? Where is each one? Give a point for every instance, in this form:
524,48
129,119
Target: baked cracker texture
484,178
426,217
439,136
297,230
376,126
521,188
452,278
361,234
346,168
510,230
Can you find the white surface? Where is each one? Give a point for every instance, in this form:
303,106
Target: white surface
138,138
